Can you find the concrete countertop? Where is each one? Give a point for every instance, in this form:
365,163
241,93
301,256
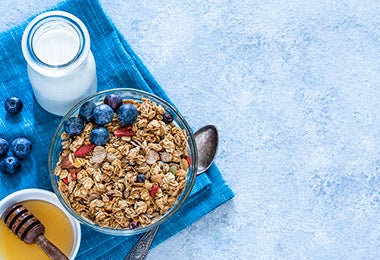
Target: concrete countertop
294,89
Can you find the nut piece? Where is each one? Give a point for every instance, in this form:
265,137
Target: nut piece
99,154
166,157
152,157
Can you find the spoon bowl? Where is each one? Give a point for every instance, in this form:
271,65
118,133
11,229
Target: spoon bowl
206,139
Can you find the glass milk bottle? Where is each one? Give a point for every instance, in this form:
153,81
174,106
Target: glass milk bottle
61,67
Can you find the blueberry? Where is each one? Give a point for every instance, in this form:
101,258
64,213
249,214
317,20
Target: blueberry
4,147
10,165
73,126
127,114
132,225
13,105
114,101
168,118
86,111
99,135
103,114
21,147
140,178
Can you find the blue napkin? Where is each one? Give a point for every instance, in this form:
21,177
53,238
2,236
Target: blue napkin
117,66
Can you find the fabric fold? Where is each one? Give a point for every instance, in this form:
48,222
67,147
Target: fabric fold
117,66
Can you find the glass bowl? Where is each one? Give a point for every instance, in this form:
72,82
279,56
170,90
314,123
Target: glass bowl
126,94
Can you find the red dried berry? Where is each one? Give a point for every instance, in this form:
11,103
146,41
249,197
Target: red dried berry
188,160
73,175
154,190
84,150
66,180
124,131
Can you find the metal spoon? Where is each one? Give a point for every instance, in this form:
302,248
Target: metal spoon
206,139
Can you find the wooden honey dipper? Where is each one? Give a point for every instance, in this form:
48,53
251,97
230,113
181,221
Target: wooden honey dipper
30,230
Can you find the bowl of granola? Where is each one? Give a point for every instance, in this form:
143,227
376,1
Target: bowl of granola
122,161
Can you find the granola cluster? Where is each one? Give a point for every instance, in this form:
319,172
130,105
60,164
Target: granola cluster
135,178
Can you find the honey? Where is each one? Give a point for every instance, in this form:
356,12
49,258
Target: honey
58,230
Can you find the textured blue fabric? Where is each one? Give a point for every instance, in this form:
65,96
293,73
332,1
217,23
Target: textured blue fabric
117,66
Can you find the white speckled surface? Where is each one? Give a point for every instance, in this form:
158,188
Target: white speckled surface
294,89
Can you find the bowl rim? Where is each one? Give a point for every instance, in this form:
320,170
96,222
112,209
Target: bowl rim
47,196
190,181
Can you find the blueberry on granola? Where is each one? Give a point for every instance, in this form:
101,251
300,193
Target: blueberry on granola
86,111
114,101
127,114
10,165
168,118
13,105
133,225
4,147
103,114
99,135
141,178
73,126
21,147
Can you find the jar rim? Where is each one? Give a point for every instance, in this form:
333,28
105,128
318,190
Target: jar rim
41,22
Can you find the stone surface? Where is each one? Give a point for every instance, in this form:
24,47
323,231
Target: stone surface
294,89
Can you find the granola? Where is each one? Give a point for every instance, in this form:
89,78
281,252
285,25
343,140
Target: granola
101,184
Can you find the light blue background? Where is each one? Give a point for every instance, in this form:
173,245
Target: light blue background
294,89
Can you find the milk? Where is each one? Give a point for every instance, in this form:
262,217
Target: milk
56,47
61,66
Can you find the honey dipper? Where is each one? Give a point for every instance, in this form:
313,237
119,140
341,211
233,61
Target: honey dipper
30,230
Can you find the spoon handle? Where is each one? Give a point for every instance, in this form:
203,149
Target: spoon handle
50,249
141,249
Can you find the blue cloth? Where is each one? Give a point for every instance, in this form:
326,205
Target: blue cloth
117,66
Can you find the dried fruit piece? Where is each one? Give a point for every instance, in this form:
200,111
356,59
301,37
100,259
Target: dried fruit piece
84,150
188,160
73,175
154,190
168,118
132,225
67,162
124,131
66,180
